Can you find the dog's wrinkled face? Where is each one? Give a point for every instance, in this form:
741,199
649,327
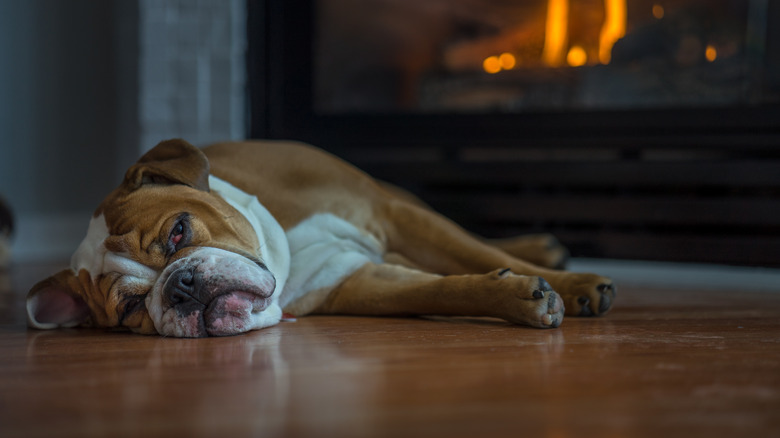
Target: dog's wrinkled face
163,255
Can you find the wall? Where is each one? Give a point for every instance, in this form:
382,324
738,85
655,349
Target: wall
192,70
61,97
86,86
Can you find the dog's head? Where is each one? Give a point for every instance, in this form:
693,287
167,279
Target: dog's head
163,254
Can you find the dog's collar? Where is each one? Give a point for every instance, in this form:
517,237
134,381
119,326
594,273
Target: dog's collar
270,233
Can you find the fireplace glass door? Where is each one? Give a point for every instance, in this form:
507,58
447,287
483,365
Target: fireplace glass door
487,56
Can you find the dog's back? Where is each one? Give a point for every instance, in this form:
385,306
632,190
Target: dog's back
295,181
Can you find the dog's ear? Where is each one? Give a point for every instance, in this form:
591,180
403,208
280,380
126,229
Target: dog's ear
54,303
171,162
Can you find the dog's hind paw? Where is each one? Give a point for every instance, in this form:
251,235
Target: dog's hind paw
586,294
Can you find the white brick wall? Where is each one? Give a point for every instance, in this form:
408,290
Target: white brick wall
191,70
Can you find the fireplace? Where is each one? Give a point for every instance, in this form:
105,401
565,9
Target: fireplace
644,129
498,56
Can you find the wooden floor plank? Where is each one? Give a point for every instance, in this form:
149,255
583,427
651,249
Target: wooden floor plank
665,362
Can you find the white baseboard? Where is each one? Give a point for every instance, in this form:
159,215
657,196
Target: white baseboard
689,276
47,237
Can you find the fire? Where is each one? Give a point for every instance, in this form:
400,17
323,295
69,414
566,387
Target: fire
492,64
711,53
556,42
508,61
556,32
658,11
614,28
577,56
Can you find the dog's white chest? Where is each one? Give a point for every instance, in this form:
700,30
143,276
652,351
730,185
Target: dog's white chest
324,250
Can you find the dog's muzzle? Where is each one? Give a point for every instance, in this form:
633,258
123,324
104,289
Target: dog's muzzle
223,305
212,293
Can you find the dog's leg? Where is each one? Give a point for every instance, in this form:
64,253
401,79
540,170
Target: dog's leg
540,249
436,244
385,289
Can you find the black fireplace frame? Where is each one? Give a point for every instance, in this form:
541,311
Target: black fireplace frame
683,184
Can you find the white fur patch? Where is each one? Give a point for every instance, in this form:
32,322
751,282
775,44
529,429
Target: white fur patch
273,242
325,249
89,255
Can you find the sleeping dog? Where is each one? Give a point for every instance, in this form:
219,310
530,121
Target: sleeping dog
223,240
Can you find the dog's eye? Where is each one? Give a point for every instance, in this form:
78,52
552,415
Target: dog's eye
180,235
177,234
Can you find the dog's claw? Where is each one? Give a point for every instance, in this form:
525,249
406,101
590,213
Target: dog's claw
544,286
605,303
585,311
607,288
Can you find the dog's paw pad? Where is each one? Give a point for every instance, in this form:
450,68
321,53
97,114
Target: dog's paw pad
597,302
554,315
607,296
549,319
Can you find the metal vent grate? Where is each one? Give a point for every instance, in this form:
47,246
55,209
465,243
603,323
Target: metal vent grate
674,205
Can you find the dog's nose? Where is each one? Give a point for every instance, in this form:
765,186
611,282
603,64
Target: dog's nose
181,287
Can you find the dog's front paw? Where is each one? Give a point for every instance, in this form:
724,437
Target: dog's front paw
530,300
586,294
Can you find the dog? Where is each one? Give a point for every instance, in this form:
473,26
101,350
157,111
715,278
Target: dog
227,239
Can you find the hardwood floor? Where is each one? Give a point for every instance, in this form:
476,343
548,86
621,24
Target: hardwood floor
664,363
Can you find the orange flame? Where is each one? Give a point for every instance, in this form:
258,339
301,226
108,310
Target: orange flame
556,32
577,56
492,64
614,28
658,11
711,53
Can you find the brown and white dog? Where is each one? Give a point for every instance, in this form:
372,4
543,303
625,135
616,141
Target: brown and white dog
222,240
